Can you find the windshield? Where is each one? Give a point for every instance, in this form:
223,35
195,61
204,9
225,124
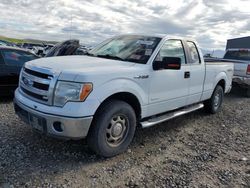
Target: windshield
238,55
132,48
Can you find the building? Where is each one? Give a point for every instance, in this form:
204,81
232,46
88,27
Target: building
243,42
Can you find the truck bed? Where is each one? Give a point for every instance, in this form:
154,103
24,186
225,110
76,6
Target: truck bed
217,60
240,66
215,67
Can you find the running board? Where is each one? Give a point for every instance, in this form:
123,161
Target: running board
170,115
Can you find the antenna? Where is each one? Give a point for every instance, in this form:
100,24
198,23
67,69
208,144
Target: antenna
70,26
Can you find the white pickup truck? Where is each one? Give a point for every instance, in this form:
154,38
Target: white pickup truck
126,81
241,60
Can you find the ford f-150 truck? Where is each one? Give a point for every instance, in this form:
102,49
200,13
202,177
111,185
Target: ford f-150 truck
241,60
126,81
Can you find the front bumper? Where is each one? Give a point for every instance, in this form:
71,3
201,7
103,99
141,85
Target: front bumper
54,125
243,81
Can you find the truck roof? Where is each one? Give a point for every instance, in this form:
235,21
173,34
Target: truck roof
161,36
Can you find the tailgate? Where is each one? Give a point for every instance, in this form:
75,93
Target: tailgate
240,69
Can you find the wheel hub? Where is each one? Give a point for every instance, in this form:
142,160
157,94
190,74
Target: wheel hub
117,129
217,99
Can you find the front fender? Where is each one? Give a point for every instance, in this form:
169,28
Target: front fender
122,85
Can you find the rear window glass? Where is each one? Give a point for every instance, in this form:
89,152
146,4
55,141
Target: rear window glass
17,58
238,55
194,54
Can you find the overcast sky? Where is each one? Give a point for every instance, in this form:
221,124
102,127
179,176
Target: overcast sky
210,22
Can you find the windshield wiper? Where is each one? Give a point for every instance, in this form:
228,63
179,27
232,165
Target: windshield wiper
111,57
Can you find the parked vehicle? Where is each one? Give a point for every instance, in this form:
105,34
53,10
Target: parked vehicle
19,45
126,81
241,60
11,62
2,43
68,47
30,46
6,43
42,51
38,50
47,48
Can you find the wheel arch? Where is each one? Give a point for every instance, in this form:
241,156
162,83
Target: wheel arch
221,83
127,97
221,79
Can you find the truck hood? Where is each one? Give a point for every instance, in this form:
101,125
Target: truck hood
78,68
81,64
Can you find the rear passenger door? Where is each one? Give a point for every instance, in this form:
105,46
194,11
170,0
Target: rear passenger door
197,73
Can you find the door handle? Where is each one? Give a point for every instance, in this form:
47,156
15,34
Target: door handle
187,74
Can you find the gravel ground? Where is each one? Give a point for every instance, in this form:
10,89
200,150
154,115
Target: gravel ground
196,150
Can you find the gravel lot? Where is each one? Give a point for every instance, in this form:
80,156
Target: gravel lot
196,150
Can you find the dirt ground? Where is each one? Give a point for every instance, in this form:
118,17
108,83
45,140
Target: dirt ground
195,150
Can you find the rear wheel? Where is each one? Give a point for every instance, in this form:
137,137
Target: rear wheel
113,128
213,105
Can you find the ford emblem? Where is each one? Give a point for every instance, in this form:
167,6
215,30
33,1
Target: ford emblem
27,82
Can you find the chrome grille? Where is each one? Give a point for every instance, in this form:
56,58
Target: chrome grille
37,85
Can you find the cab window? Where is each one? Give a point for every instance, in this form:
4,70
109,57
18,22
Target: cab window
171,48
194,54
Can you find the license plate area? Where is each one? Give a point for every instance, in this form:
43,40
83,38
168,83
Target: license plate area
37,123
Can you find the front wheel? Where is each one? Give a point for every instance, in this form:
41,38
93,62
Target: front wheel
213,105
112,129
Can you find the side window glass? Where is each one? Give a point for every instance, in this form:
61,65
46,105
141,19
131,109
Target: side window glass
16,58
172,48
195,59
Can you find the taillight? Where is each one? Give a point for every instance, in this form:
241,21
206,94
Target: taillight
248,69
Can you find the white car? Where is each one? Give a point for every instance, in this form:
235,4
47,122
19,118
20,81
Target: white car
127,81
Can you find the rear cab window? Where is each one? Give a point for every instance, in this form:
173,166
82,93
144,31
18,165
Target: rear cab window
194,54
238,54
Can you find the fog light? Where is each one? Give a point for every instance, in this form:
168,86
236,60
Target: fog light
58,126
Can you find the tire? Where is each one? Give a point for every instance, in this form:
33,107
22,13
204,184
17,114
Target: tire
214,104
112,129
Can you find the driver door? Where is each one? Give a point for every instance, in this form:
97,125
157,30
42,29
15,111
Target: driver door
169,88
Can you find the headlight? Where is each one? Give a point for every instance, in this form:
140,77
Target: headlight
70,91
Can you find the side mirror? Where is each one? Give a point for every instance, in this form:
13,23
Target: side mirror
173,63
